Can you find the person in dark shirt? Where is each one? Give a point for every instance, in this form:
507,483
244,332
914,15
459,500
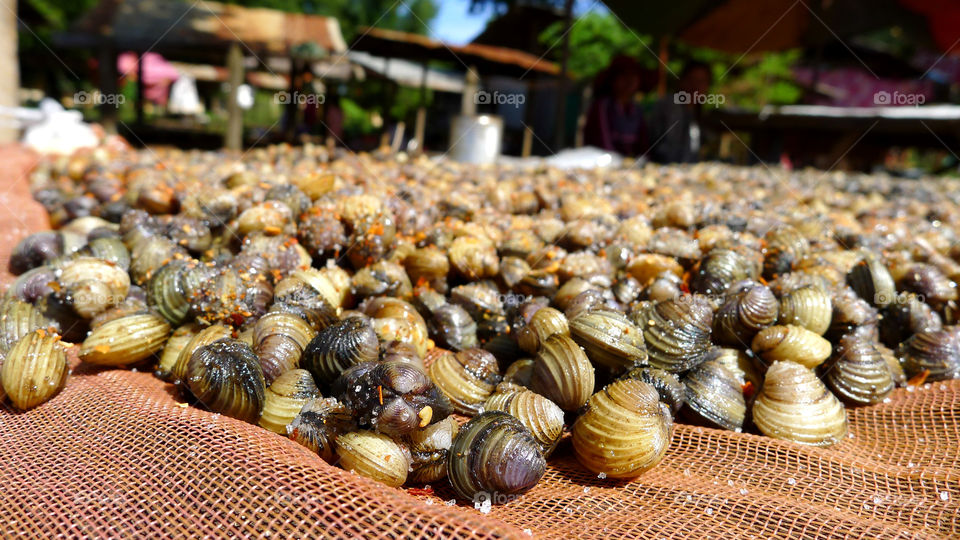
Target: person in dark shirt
675,126
615,120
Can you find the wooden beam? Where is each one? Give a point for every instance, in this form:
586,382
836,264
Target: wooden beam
421,125
140,90
107,71
561,127
9,65
233,138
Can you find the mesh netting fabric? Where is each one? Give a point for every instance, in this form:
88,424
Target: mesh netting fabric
117,453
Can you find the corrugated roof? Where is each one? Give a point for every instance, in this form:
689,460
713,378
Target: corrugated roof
175,25
393,43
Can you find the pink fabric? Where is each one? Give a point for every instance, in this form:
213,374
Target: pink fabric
158,74
852,87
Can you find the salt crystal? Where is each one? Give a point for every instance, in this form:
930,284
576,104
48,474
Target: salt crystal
689,498
791,481
528,532
484,507
944,495
451,502
586,489
877,499
602,476
709,511
744,491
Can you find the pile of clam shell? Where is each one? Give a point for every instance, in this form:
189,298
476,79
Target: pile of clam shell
367,305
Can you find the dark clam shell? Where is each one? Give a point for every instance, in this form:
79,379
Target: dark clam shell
785,246
858,372
936,351
226,377
168,291
318,424
36,250
394,398
609,339
494,456
930,283
671,390
872,281
720,269
714,394
339,346
905,317
677,332
279,339
743,315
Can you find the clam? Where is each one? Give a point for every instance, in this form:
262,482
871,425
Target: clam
872,281
791,343
284,399
858,373
520,372
906,315
624,430
929,282
225,376
672,392
794,405
784,247
720,269
350,342
373,455
474,257
394,398
541,416
17,319
744,314
171,287
467,378
609,339
714,394
936,352
808,306
126,340
175,344
544,323
206,336
279,339
677,332
91,286
318,424
36,250
562,373
34,370
428,450
494,457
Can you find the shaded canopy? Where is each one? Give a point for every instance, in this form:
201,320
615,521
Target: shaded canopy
200,30
740,26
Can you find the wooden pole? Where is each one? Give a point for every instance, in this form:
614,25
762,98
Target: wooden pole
140,91
233,138
421,125
561,127
471,85
664,55
9,65
107,69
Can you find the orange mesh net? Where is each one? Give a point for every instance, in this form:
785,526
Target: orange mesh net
117,455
